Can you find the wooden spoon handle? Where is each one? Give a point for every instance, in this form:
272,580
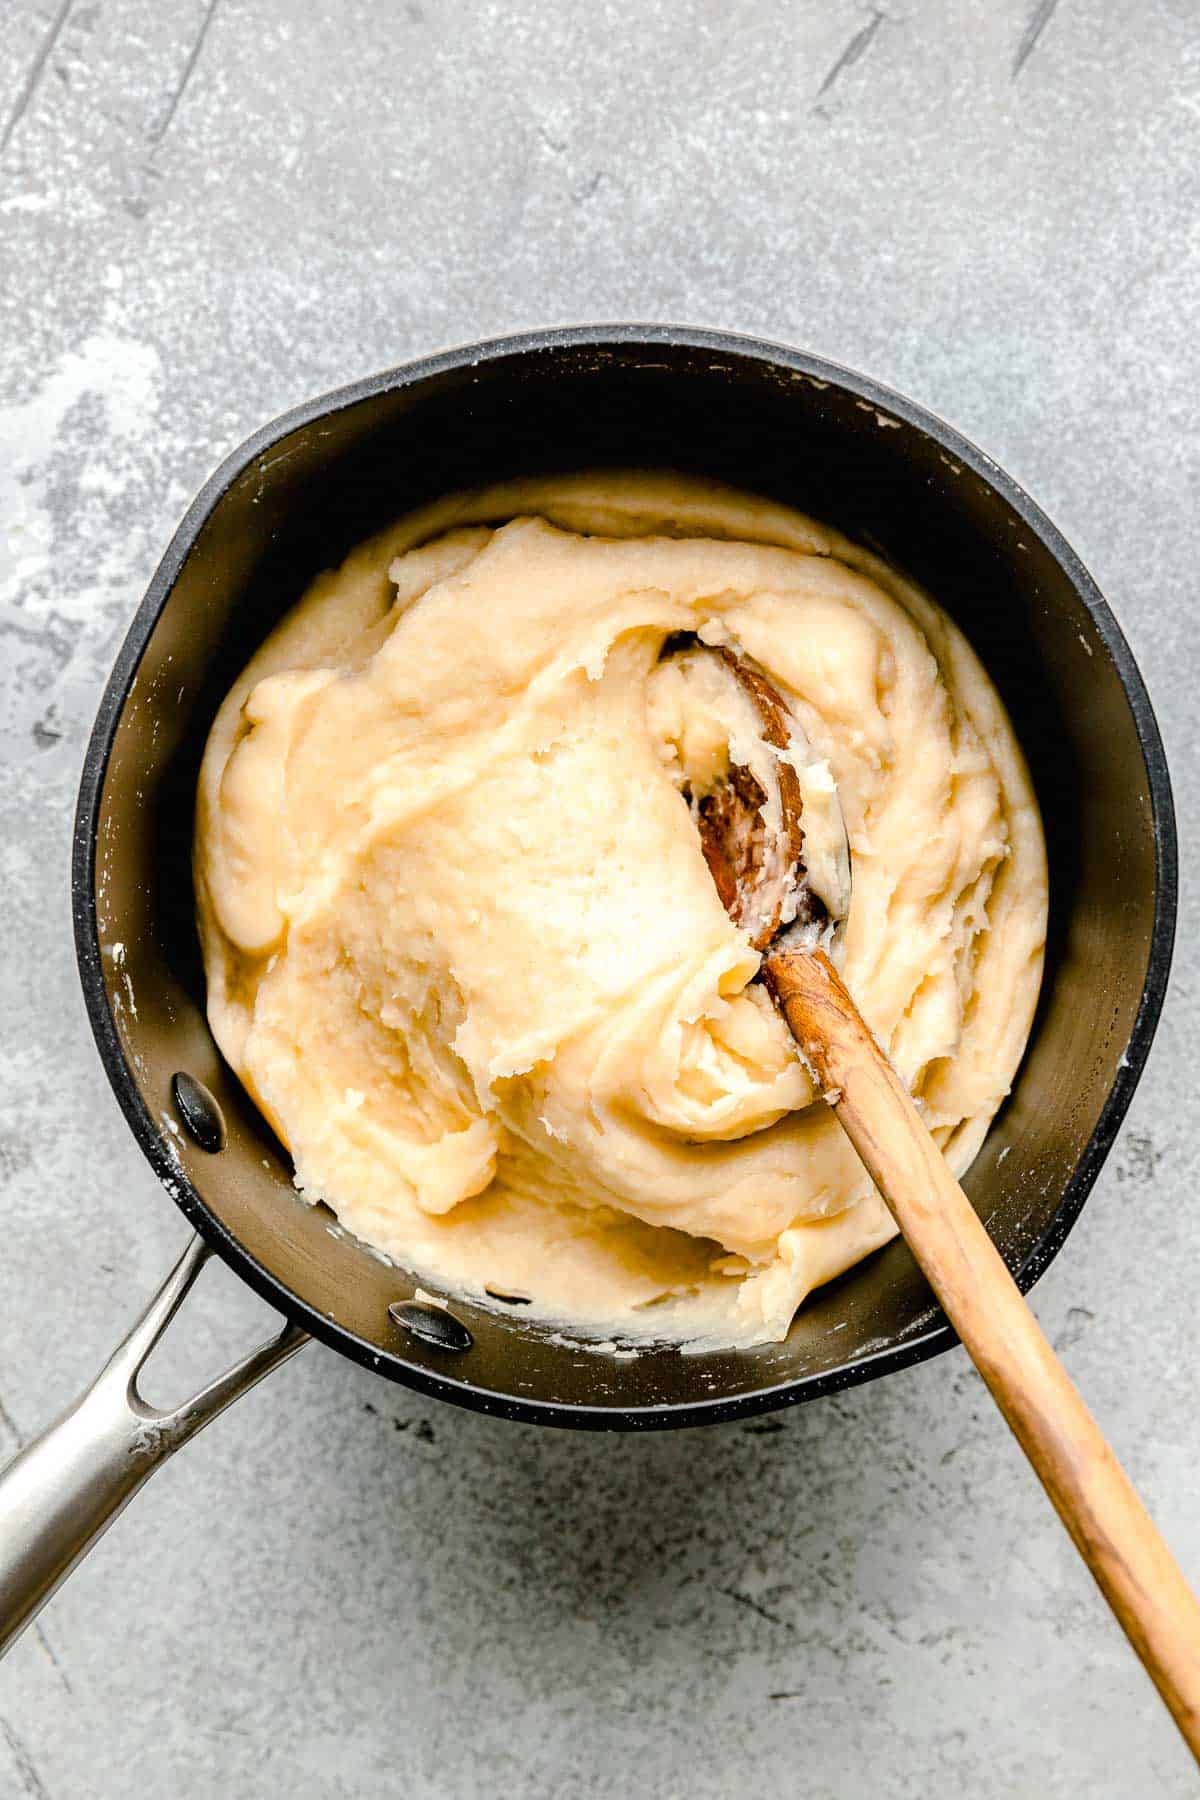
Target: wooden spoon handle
1094,1497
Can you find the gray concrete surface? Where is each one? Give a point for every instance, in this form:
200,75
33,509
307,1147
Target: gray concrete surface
210,209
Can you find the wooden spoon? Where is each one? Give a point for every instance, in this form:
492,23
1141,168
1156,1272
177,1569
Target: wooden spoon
744,843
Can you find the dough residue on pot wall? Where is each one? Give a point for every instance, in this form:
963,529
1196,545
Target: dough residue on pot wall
462,945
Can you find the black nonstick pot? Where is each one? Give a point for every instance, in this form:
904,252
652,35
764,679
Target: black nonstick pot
293,500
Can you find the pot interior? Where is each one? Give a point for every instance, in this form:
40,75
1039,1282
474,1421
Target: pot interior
784,426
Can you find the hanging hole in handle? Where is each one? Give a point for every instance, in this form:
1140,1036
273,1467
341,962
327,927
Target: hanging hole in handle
220,1319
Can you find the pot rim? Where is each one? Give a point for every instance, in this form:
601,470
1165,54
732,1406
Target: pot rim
258,1276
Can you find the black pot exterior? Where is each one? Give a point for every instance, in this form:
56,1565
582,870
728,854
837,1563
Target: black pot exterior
301,492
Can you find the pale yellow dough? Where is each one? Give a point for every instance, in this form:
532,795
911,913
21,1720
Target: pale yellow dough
462,946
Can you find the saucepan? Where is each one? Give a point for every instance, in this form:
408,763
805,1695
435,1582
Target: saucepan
292,501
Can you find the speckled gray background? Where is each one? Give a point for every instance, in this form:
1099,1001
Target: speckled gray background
209,212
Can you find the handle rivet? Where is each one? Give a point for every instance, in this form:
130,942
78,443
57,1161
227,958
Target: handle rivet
202,1118
432,1324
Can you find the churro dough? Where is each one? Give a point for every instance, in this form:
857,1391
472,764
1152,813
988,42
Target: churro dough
462,945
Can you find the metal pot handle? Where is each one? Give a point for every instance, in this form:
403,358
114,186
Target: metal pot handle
62,1491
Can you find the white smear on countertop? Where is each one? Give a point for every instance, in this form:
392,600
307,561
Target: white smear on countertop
123,377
